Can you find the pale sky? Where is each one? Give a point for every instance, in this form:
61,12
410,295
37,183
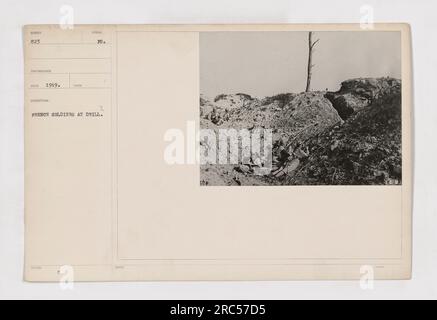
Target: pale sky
267,63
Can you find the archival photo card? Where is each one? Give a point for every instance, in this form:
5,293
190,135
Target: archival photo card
134,135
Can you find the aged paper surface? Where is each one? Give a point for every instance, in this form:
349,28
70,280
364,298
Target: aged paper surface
103,103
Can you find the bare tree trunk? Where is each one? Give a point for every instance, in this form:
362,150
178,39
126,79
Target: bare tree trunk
311,45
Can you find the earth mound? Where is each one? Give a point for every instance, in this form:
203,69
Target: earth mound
367,149
349,137
357,94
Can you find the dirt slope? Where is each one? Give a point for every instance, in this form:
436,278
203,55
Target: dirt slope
352,136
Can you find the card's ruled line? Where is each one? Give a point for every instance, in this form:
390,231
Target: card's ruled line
70,58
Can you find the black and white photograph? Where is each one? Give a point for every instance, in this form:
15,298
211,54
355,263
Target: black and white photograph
300,108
